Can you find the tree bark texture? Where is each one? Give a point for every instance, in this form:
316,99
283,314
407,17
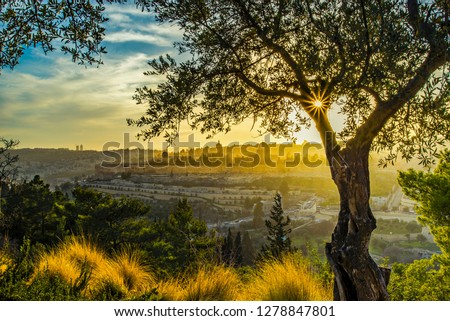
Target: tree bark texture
357,276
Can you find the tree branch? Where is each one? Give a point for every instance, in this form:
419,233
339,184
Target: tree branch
334,38
366,133
278,17
302,81
373,93
368,47
343,67
264,91
424,29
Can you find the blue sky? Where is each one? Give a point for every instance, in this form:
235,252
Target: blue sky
48,101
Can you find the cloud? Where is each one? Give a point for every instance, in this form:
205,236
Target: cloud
71,103
130,24
126,9
127,36
119,18
48,101
167,30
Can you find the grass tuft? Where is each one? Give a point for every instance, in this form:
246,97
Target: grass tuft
121,277
213,284
289,279
134,275
170,290
91,274
82,252
57,265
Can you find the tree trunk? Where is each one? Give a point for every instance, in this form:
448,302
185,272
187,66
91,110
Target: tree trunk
357,276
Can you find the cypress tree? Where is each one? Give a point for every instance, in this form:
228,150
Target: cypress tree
238,257
248,250
227,249
278,230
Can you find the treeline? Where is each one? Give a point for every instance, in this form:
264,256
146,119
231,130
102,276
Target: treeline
93,246
174,243
54,247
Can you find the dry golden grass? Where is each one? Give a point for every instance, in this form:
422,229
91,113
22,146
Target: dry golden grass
82,252
213,284
107,283
122,276
127,267
56,264
170,290
290,279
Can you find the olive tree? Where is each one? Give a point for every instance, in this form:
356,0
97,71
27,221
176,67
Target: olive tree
285,64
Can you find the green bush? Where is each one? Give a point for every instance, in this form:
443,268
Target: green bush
17,283
422,280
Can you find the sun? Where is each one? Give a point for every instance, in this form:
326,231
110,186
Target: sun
317,103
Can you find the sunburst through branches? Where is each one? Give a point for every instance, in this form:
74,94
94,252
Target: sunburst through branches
317,104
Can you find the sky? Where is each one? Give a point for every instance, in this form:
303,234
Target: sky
48,101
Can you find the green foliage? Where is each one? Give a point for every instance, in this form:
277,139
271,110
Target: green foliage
386,226
239,259
320,267
227,251
249,202
32,210
423,280
180,243
15,282
432,192
278,230
231,250
77,26
427,279
105,217
248,249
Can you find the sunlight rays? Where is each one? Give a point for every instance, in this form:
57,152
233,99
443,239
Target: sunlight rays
317,104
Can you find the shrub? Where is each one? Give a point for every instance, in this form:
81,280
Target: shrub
125,276
56,264
422,280
80,264
288,279
170,290
213,284
5,262
82,252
